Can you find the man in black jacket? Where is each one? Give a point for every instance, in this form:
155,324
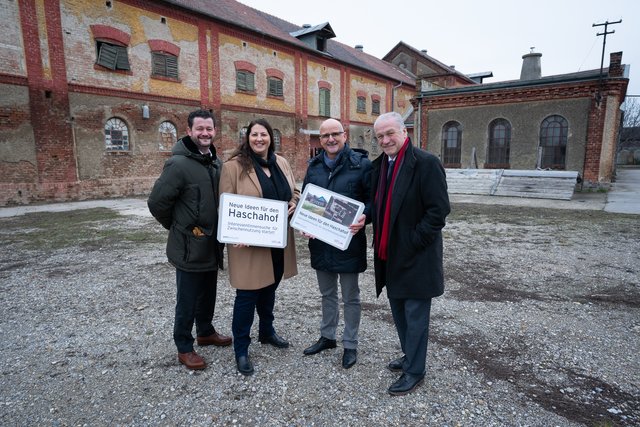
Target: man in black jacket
184,200
409,210
348,172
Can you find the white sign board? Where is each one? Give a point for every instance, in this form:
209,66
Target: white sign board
252,221
326,215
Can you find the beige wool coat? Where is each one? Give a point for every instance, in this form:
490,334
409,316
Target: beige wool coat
250,268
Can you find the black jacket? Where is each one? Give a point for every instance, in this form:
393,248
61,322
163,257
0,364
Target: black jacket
350,177
185,196
419,206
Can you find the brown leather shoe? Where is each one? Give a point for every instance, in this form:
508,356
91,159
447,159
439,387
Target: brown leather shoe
215,339
192,360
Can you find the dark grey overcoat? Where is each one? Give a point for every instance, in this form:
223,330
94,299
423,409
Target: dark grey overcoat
419,206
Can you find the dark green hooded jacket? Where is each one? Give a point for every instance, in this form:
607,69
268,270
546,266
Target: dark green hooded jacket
184,199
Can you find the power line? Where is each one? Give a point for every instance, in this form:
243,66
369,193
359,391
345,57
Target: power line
604,43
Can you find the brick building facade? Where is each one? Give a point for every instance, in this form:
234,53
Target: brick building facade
94,92
563,122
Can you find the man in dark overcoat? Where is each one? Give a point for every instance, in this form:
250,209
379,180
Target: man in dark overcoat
409,211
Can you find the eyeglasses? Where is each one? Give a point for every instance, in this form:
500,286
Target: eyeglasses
334,135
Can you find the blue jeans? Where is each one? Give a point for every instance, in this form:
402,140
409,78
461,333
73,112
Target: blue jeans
246,304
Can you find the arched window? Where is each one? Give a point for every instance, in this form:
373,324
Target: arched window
374,146
168,136
451,144
242,135
553,143
277,140
116,135
499,144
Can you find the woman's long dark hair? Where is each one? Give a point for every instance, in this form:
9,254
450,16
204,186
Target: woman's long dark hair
243,152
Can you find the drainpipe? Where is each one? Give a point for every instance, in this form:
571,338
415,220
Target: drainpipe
393,93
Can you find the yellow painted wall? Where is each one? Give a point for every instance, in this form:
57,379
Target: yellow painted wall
141,25
12,56
370,87
234,49
315,73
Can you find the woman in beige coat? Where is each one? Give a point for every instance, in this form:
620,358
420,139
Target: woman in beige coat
254,169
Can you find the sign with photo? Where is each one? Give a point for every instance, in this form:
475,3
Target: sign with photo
326,215
252,221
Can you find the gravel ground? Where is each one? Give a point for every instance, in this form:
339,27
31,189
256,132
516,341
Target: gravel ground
539,326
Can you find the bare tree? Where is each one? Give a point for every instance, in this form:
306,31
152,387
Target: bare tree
628,149
631,108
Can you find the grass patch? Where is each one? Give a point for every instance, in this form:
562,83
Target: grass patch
85,227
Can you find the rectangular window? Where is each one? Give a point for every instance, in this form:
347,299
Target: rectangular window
375,107
164,65
112,56
245,81
362,105
274,87
325,102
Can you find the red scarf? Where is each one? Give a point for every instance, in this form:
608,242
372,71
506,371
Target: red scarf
382,236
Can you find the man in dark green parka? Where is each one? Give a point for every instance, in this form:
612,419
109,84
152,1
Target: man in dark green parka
184,200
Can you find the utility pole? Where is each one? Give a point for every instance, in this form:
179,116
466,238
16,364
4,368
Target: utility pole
604,43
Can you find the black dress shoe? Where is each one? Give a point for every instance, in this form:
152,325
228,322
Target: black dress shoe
349,357
405,384
396,365
275,340
322,344
245,367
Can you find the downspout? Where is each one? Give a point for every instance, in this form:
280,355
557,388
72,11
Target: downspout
75,147
393,95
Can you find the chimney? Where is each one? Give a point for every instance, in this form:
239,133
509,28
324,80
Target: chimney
615,65
424,51
359,48
531,69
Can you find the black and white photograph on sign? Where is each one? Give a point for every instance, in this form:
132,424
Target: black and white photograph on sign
326,215
252,221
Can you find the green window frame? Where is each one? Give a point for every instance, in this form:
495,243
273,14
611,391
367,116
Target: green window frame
245,81
325,102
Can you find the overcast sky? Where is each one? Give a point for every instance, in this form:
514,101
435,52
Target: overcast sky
476,36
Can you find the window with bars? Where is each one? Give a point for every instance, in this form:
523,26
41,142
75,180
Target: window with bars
374,146
245,81
554,131
451,144
361,106
499,144
375,106
274,87
168,135
112,56
325,102
116,135
277,140
164,65
242,135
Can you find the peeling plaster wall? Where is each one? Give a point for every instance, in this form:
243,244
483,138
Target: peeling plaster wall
12,56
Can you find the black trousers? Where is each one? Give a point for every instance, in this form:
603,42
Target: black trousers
411,317
195,303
